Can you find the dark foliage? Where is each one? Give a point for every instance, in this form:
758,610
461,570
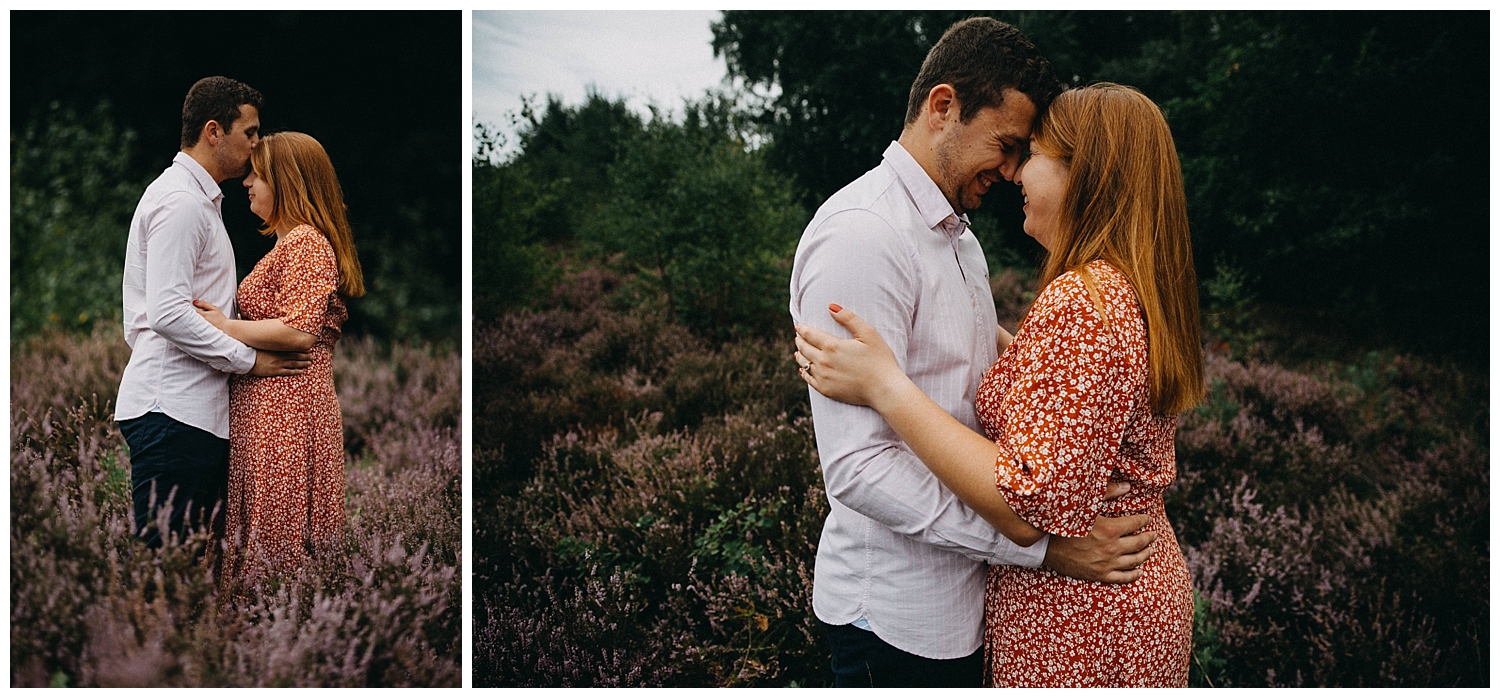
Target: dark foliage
379,90
72,195
1279,119
648,508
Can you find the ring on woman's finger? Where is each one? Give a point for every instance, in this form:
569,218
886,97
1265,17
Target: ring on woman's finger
807,366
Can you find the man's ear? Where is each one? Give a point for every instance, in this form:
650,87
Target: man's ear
212,132
942,106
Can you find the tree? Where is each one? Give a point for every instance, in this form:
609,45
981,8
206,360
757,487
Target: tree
705,222
1336,160
573,148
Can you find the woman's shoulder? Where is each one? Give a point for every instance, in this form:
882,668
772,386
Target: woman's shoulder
305,237
1062,292
305,247
305,231
1069,295
1070,283
1108,276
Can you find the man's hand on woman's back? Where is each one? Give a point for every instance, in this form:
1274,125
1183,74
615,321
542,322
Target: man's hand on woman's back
1112,552
280,363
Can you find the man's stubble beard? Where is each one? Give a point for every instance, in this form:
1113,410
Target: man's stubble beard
230,168
947,170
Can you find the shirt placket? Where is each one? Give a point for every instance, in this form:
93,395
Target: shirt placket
953,227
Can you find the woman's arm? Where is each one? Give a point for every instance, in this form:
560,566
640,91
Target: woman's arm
271,334
864,372
1003,338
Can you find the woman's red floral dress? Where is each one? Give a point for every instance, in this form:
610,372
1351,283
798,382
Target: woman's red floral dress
1069,405
286,433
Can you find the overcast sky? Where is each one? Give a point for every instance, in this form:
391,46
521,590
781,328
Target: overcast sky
642,56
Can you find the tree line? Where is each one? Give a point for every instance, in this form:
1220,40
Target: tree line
1335,162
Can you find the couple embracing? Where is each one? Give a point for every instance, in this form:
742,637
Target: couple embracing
228,403
1038,553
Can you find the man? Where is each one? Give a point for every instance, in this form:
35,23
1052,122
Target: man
900,573
173,405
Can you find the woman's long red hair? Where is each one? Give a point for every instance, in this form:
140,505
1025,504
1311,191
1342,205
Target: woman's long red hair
307,191
1124,203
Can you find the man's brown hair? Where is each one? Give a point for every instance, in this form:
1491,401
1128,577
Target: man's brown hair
981,57
215,99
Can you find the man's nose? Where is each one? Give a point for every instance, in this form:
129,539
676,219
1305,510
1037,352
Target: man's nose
1010,166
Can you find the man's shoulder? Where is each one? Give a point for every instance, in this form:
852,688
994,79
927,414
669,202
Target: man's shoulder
174,190
179,212
876,200
869,192
176,180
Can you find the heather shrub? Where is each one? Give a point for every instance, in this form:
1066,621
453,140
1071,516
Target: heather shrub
577,362
91,607
648,506
635,557
1014,291
1336,523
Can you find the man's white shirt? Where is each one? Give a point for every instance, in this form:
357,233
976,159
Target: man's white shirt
179,252
899,550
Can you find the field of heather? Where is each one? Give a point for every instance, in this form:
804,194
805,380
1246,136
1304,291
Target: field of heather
648,504
90,607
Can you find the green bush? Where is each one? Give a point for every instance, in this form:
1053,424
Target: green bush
703,221
510,263
687,210
72,197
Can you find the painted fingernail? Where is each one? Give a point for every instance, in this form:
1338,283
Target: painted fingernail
835,307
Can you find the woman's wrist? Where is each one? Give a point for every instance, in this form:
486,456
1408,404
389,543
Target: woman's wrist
890,390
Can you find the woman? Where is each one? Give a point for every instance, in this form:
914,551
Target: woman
1085,394
286,436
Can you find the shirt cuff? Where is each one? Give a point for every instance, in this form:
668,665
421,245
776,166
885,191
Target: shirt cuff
1030,556
243,359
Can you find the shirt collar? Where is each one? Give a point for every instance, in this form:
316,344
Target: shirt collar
202,177
934,208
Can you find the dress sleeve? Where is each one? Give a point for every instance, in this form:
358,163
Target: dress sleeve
309,278
1052,468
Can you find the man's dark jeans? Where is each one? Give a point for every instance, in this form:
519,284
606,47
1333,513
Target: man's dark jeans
184,465
861,659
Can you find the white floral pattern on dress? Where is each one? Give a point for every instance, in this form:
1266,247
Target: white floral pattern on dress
1069,405
286,433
